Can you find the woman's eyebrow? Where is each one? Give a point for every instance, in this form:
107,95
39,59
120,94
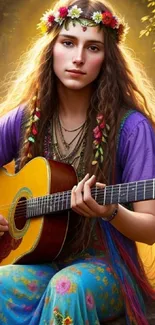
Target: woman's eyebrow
75,38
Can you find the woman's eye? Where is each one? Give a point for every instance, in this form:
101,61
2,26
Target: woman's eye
94,48
68,43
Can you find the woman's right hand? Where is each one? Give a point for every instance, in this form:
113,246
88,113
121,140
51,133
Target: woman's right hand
3,225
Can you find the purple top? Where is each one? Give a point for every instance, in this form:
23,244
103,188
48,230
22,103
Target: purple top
136,151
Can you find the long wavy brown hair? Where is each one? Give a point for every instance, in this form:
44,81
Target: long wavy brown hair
121,85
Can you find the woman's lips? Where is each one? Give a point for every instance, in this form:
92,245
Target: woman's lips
76,71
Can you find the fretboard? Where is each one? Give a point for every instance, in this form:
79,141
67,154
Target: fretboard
120,193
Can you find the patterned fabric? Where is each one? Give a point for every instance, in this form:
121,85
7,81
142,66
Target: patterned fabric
83,293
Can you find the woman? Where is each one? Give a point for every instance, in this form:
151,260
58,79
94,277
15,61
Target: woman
81,99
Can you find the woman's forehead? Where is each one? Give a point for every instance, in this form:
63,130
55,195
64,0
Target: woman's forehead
77,31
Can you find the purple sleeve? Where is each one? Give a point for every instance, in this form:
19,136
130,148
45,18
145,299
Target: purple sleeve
10,126
136,152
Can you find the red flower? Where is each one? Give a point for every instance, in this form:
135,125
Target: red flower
107,18
34,130
50,19
37,113
97,133
102,125
63,12
114,23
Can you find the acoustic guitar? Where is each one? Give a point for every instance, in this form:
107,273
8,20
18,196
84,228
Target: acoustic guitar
36,203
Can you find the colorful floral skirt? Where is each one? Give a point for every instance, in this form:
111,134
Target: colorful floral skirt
84,292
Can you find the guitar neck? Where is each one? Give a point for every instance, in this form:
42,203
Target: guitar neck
120,193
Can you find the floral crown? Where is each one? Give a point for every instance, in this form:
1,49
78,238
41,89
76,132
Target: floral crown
73,13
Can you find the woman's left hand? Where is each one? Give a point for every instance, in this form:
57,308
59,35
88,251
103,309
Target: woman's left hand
83,203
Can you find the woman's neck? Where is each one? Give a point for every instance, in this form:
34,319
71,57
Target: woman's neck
74,104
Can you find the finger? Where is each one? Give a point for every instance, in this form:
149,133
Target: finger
3,221
100,185
3,228
77,203
90,202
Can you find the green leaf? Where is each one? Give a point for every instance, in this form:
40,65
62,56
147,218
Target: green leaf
101,150
97,154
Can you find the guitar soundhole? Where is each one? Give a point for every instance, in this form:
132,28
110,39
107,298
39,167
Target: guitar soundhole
20,214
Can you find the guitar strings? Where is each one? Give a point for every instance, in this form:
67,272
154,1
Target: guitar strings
67,194
21,205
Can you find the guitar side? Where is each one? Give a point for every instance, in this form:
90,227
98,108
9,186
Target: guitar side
41,238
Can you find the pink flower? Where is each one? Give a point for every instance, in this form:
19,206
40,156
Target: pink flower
89,301
107,18
32,286
97,133
99,117
63,12
63,285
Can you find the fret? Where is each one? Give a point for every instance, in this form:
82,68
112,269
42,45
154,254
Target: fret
119,192
62,200
108,194
131,192
66,200
136,192
123,191
115,194
57,203
144,189
95,196
54,202
104,198
140,191
111,196
127,193
49,205
41,205
149,189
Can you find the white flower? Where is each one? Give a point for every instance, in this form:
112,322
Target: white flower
74,12
97,17
46,15
58,19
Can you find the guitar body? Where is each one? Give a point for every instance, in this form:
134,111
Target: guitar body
39,239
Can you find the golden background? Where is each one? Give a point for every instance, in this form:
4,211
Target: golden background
18,20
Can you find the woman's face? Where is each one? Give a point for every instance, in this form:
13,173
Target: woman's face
78,55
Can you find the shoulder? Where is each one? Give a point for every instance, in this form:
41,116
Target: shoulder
136,148
134,121
132,126
14,115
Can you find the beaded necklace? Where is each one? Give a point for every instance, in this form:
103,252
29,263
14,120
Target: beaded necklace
75,157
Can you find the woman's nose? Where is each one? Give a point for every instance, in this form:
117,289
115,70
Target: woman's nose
78,58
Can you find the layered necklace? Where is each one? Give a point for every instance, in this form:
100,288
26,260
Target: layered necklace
71,152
